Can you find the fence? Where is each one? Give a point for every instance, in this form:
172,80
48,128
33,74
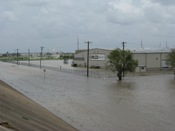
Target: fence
94,74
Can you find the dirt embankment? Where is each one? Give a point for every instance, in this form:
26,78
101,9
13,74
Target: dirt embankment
19,113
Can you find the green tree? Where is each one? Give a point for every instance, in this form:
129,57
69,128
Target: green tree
122,61
171,58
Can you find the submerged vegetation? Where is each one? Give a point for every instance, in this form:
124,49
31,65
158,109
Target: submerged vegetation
171,58
122,61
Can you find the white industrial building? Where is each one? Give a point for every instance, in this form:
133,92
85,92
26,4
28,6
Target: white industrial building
147,59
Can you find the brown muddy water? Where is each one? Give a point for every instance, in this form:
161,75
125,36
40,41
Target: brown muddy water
138,103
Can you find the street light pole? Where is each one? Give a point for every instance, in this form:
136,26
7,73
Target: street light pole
88,57
41,55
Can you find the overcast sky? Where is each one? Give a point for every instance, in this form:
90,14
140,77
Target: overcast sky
56,24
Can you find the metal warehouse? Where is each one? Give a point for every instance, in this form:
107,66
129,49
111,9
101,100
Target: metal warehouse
147,59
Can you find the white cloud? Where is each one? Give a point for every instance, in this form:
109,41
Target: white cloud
157,13
100,21
8,16
34,3
164,2
124,12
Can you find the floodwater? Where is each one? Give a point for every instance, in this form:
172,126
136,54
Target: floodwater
138,103
53,63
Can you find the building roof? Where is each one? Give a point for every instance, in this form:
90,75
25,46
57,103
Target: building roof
148,50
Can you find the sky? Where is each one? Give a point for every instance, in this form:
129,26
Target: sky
57,24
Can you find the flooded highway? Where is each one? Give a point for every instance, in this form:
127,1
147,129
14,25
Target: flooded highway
138,103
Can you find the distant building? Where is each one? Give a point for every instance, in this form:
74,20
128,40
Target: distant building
147,59
55,55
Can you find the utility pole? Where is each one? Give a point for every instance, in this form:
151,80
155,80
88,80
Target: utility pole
141,44
166,45
88,57
29,57
41,55
77,42
123,44
17,57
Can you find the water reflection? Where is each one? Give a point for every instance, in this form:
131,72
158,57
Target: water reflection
172,83
124,84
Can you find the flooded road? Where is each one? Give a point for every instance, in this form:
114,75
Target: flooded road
145,103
